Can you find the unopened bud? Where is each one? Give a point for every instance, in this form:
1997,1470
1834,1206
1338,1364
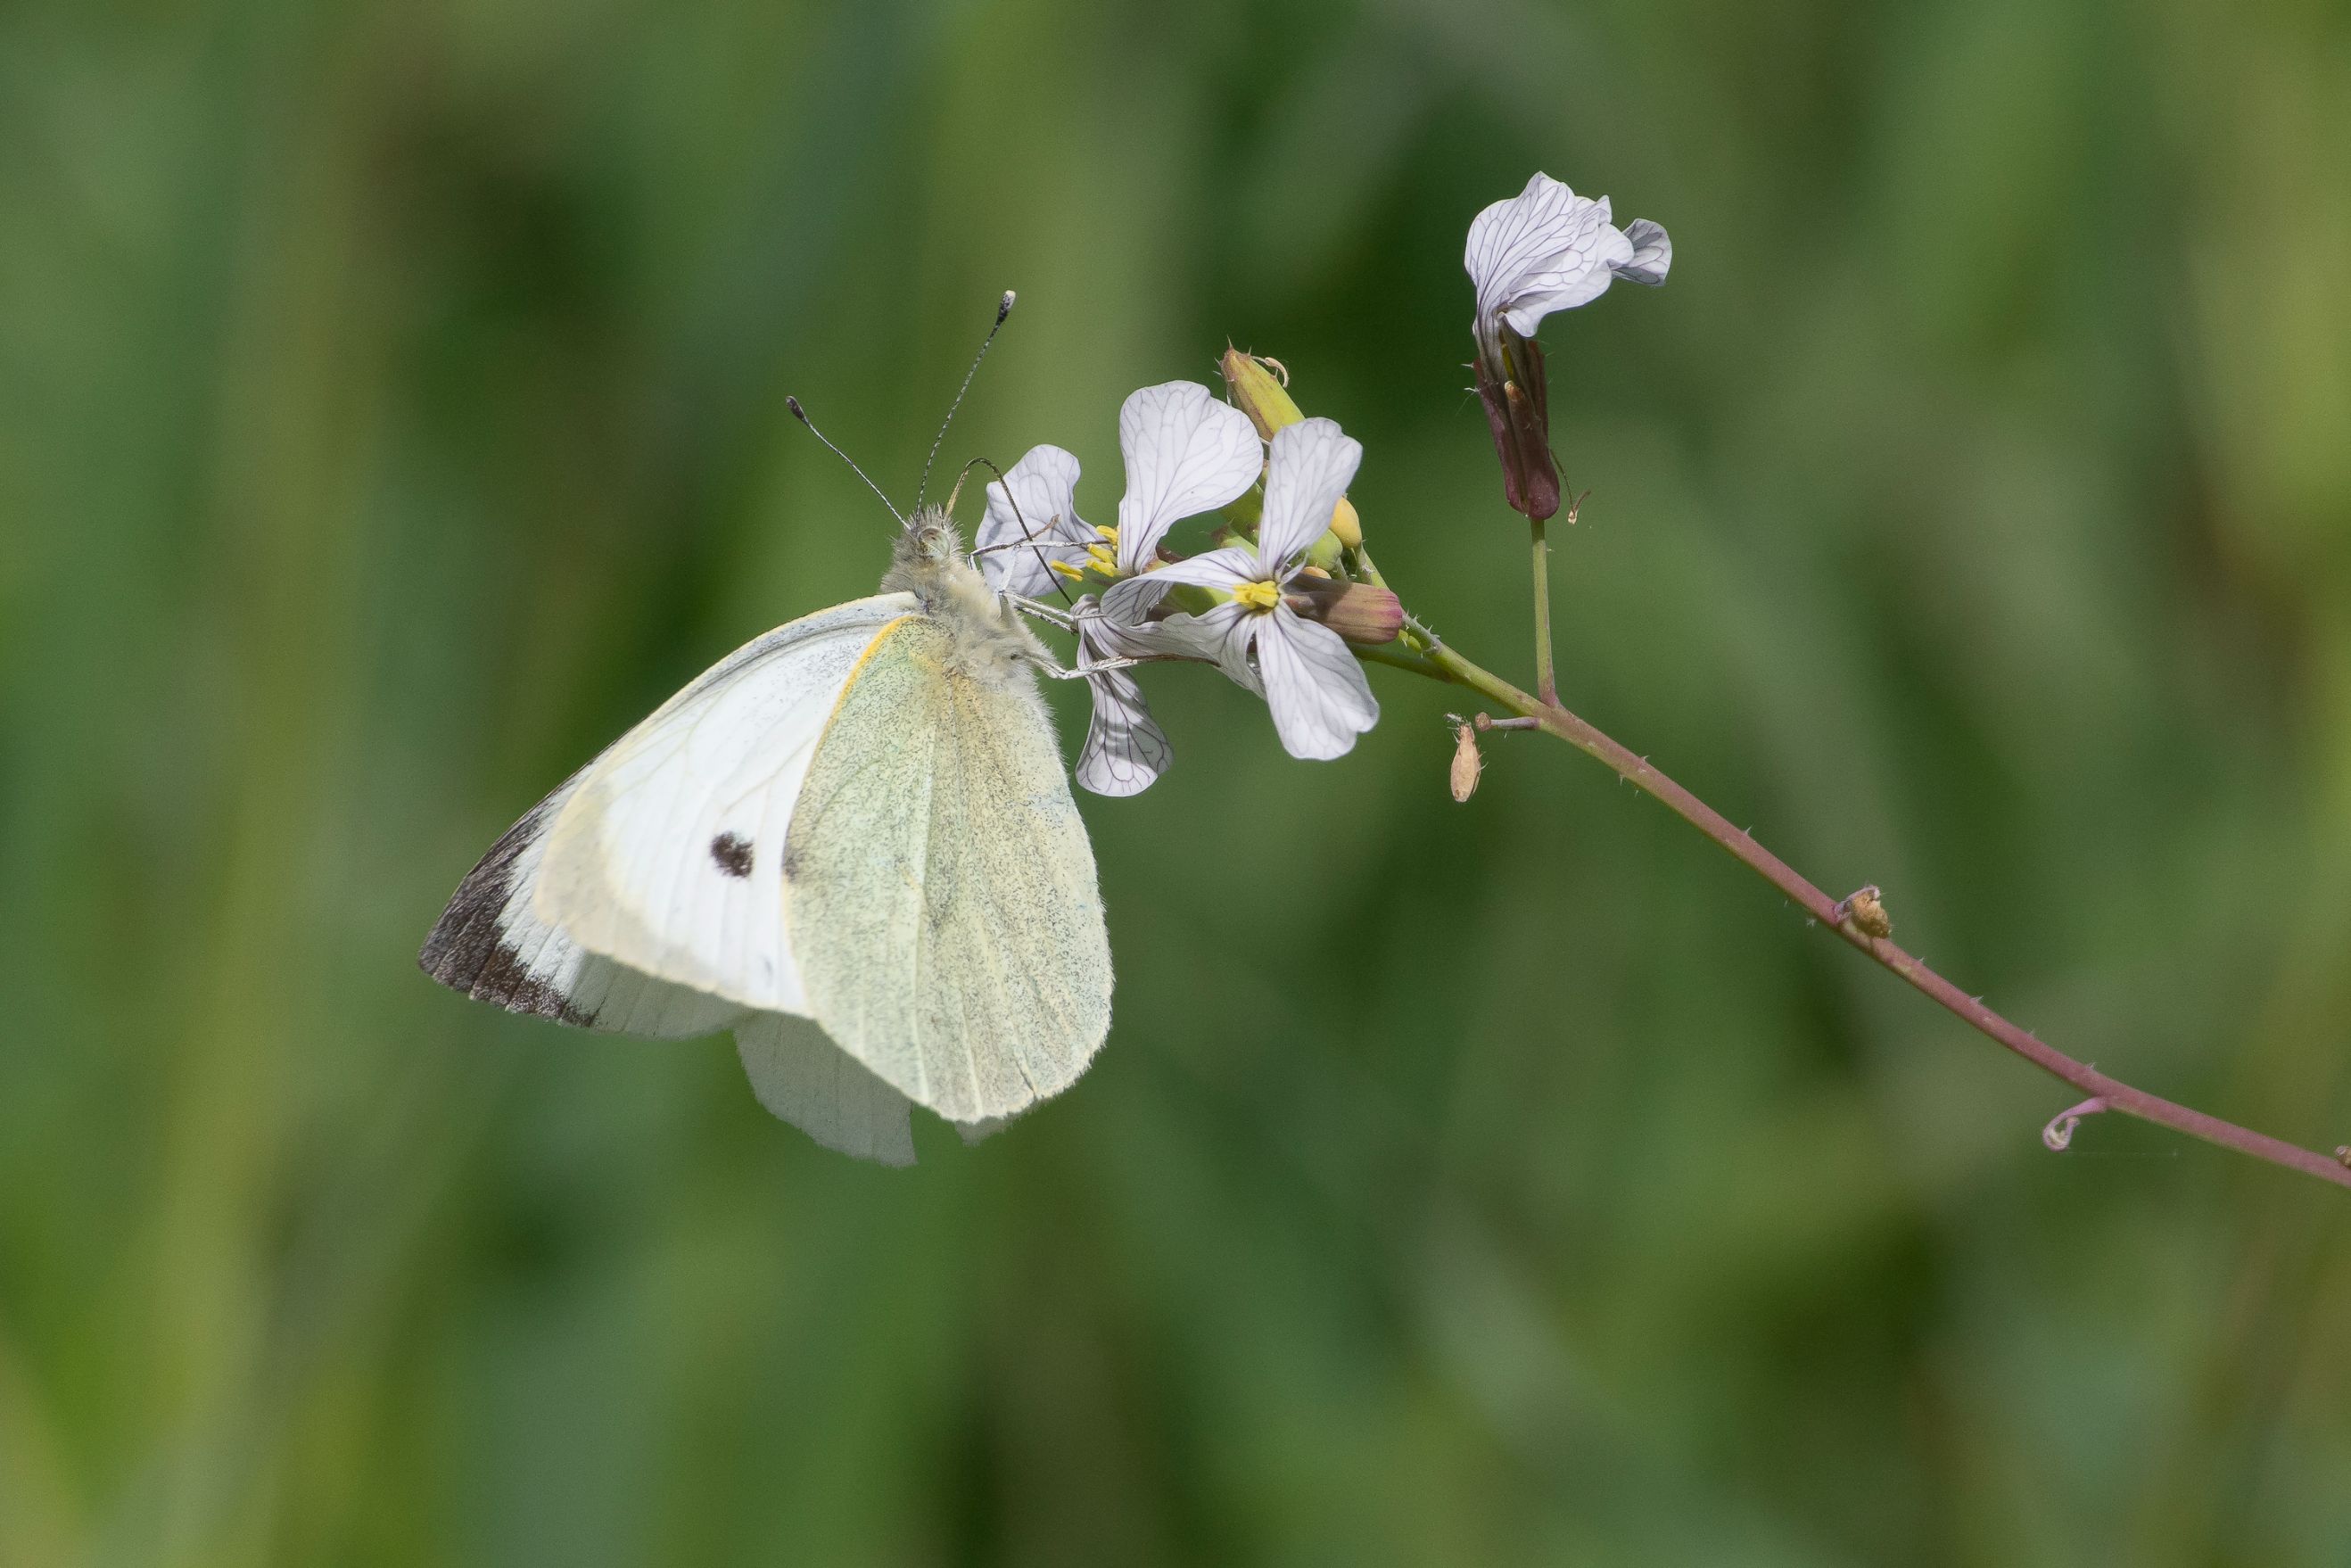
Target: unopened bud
1866,910
1346,523
1356,611
1254,390
1512,388
1467,763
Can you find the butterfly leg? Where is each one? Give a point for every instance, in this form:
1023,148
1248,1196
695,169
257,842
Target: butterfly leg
1082,671
1043,612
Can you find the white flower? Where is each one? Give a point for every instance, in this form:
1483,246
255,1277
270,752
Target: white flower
1125,751
1315,689
1033,520
1549,249
1019,552
1186,453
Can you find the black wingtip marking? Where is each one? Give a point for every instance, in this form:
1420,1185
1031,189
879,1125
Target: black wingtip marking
469,954
732,853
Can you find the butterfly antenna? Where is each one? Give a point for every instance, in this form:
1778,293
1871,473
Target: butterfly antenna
1027,534
1003,308
802,414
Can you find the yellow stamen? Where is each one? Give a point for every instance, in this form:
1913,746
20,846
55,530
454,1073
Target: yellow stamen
1258,595
1100,558
1066,570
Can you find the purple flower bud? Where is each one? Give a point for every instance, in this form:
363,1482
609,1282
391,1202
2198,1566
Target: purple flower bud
1517,410
1362,614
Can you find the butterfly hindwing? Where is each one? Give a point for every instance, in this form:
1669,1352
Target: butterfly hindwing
803,1078
941,889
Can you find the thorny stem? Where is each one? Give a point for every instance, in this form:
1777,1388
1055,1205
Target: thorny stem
2104,1094
1401,658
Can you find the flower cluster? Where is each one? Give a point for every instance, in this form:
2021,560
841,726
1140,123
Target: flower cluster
1254,606
1544,249
1285,586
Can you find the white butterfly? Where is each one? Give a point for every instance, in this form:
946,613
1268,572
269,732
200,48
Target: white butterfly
851,842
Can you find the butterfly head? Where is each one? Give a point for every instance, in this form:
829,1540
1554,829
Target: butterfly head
928,544
991,643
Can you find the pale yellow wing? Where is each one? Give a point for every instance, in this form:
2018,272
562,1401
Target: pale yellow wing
940,888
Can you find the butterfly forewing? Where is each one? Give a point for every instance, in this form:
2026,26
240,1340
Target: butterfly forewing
667,857
490,944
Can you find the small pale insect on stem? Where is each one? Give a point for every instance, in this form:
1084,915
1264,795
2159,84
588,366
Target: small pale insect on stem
1467,765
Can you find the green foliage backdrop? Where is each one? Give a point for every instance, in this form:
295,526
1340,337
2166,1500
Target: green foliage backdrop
391,411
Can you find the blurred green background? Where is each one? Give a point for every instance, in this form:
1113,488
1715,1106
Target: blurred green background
391,412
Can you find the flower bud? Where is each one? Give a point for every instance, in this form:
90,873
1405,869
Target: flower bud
1346,523
1254,390
1510,385
1356,611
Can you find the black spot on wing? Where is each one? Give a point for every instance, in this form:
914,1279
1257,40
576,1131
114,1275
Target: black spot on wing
732,853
